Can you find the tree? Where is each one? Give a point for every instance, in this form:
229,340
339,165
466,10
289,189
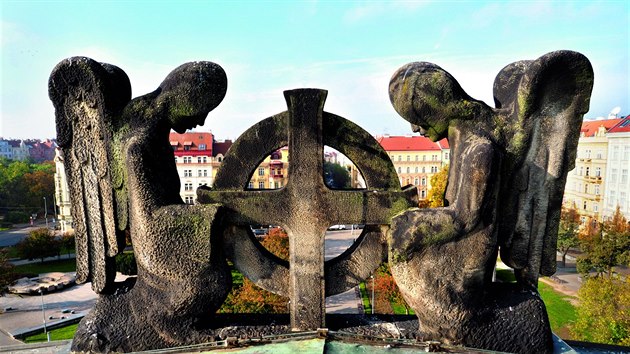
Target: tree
336,176
6,270
604,311
68,241
386,288
277,242
568,232
438,188
40,243
607,248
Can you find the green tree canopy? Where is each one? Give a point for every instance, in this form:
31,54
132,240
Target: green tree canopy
336,176
40,243
568,231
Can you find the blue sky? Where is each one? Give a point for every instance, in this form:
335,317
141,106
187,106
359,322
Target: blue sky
350,48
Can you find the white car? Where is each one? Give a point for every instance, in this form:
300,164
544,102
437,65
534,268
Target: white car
337,227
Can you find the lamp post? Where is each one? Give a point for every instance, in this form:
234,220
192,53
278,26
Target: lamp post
373,304
45,212
41,291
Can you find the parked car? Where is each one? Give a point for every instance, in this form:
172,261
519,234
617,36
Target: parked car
337,227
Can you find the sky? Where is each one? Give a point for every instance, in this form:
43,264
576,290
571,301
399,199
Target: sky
350,48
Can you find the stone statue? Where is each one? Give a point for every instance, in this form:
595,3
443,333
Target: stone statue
505,184
122,178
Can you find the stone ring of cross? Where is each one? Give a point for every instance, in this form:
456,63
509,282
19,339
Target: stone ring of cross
305,207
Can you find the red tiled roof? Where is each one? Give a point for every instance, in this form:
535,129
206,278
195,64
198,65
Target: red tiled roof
406,143
444,144
589,128
193,140
622,127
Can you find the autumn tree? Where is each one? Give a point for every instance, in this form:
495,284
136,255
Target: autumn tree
249,298
438,188
40,243
608,248
386,289
603,314
23,186
568,232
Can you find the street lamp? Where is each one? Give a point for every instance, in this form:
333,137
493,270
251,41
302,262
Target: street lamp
45,212
41,291
373,304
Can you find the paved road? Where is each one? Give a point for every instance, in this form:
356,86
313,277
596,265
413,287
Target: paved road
17,234
336,243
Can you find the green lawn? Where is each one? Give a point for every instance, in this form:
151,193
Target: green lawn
367,307
63,265
55,334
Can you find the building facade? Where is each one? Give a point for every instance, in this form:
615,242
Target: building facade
585,187
62,194
416,159
193,158
618,170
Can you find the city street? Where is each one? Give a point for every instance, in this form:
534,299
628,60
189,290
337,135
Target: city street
13,236
335,243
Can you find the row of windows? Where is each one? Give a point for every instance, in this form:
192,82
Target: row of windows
188,186
613,201
417,157
581,171
595,188
261,185
200,173
433,169
625,156
188,159
624,176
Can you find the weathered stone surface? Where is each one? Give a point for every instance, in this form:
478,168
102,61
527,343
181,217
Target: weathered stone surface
119,159
507,173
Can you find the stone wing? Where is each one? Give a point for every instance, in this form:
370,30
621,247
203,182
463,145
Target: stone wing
88,97
543,102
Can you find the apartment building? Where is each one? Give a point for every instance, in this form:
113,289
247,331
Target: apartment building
618,169
585,187
193,158
62,194
416,159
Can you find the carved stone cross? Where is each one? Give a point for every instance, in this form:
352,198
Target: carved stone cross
305,207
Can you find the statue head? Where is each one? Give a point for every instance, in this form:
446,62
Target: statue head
190,92
429,98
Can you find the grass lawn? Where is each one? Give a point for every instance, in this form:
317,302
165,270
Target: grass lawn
367,307
63,265
55,334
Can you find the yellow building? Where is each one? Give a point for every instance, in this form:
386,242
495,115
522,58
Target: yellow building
272,173
416,159
585,184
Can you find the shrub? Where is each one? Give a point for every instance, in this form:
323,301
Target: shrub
126,264
17,217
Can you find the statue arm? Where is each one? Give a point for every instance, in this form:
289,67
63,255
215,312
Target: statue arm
418,228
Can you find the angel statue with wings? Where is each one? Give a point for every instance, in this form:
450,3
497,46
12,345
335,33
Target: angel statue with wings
123,180
505,184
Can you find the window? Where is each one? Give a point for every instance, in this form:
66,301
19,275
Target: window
175,159
205,173
588,154
615,153
599,154
581,170
595,208
597,189
188,187
424,157
626,153
416,169
613,175
399,169
198,159
250,185
584,205
416,181
424,169
611,199
423,194
219,158
587,170
202,147
198,173
187,159
446,156
187,173
624,176
598,171
408,158
408,169
434,158
399,158
186,147
276,185
586,188
261,171
622,200
261,185
424,181
188,199
416,157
